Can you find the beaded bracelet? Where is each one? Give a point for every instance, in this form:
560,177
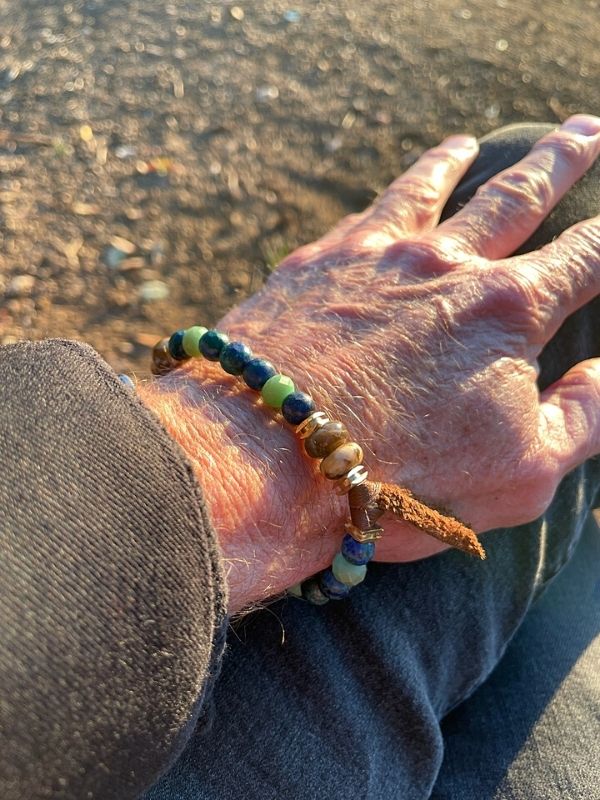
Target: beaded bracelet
340,461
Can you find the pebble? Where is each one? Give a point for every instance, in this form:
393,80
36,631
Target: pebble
151,291
265,93
85,209
21,285
125,151
112,256
123,245
237,13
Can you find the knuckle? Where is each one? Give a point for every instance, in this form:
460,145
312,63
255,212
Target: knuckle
420,190
517,297
538,478
568,146
517,190
425,255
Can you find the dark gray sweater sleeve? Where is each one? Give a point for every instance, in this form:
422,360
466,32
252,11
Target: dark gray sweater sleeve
112,593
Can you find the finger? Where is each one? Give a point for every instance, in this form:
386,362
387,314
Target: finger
570,410
414,202
546,287
507,209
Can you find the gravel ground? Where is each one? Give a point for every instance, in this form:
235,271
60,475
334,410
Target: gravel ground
157,160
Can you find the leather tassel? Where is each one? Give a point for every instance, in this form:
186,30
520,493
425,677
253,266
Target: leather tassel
402,503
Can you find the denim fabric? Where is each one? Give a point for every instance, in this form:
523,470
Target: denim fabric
353,699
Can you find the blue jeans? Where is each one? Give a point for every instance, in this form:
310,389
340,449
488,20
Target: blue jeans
436,678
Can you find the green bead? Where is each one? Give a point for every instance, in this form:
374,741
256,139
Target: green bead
276,389
295,590
191,338
348,573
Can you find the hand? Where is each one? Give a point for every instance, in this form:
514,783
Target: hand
423,339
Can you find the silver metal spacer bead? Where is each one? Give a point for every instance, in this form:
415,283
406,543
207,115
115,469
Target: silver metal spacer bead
352,478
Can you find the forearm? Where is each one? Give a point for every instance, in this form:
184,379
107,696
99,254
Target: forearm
277,520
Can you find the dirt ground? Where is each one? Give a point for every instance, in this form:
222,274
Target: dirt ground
158,160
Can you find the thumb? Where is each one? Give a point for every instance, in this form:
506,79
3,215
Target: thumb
571,408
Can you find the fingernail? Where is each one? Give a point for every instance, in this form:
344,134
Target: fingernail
586,124
461,142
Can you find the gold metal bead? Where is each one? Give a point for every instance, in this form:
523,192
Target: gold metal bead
162,360
316,420
354,477
369,535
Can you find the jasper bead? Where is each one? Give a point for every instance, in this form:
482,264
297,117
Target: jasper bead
276,389
343,459
191,340
326,439
296,407
234,357
345,572
176,346
331,587
211,344
357,552
312,592
257,372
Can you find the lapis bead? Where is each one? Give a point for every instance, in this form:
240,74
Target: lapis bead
176,346
257,372
312,592
234,357
296,407
357,552
211,344
331,587
126,381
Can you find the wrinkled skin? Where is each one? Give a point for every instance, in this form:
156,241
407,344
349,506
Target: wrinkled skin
423,337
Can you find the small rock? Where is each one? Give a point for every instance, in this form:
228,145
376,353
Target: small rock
151,291
112,257
237,13
85,209
157,254
132,213
86,133
124,245
20,285
266,93
125,151
135,262
333,145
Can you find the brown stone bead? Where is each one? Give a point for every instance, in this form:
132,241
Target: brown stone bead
338,463
162,360
325,440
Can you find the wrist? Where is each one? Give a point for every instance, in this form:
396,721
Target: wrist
276,519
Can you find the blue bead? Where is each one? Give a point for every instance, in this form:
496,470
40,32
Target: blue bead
234,357
357,552
312,592
211,344
296,407
257,372
176,346
331,587
126,381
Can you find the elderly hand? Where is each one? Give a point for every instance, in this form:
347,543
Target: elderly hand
422,338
